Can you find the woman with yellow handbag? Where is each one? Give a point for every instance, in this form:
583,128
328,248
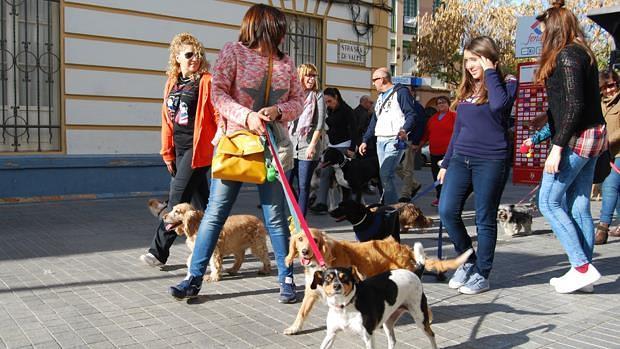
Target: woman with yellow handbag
254,82
188,126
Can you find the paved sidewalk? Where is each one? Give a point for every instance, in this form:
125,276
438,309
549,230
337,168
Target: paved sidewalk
70,277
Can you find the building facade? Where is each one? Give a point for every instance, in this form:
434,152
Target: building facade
82,81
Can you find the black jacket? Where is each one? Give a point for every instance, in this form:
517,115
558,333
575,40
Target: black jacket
573,95
341,123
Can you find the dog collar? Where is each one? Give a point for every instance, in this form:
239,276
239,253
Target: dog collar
344,162
342,306
360,222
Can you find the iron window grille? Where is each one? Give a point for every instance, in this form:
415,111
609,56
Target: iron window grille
30,76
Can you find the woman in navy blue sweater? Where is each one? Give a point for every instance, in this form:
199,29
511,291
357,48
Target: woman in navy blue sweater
477,157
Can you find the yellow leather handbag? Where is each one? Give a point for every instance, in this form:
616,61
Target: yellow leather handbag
240,157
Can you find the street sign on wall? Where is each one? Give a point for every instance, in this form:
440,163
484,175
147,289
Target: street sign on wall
528,38
351,52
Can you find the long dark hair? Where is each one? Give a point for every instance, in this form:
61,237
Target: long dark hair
263,28
561,29
482,46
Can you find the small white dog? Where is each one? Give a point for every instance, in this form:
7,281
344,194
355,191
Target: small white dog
513,218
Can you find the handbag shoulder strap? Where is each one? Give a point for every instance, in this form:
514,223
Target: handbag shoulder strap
268,84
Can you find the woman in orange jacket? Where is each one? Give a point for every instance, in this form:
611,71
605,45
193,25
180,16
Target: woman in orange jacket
188,127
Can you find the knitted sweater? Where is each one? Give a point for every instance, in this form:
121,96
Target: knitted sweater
573,95
239,82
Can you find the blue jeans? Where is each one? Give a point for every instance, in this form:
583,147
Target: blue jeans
389,158
303,170
488,178
221,199
610,190
572,224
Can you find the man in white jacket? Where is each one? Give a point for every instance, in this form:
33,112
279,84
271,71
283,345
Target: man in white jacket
392,120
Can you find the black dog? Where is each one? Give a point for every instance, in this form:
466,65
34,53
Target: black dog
356,173
369,225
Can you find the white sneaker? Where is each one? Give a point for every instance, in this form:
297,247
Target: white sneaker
585,289
150,260
575,280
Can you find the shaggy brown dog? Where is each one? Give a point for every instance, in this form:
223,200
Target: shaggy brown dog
239,233
367,258
410,216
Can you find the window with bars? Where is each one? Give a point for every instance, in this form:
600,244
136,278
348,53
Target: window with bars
410,16
30,75
304,40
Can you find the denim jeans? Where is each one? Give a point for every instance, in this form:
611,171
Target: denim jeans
222,197
488,178
389,158
571,223
303,170
610,190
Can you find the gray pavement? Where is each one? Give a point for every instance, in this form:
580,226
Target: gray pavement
70,277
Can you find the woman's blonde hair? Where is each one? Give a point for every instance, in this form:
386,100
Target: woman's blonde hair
179,40
482,46
307,69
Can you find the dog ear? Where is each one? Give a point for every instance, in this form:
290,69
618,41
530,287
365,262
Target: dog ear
357,275
191,222
292,251
317,279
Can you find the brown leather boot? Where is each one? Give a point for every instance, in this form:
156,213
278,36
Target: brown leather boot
600,238
615,232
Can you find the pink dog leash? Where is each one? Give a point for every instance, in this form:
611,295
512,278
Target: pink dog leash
297,215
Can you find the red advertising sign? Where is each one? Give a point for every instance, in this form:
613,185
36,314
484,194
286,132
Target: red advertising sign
531,101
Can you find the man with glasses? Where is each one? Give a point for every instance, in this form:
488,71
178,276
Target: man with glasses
392,120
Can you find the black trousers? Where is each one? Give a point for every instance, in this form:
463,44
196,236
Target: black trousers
190,185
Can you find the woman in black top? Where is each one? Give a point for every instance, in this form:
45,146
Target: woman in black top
341,132
568,69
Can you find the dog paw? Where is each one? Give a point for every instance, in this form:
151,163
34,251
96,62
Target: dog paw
212,278
264,271
292,330
232,271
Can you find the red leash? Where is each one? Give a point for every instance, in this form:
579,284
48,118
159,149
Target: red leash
297,215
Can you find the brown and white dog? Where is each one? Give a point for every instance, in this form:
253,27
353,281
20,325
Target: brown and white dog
363,306
239,233
367,259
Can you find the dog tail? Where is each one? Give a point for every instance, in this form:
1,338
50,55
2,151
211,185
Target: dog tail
418,254
441,266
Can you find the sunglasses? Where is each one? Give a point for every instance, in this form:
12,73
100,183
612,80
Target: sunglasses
609,86
189,55
375,79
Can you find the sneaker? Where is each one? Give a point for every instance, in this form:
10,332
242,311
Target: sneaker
319,209
188,288
435,203
151,260
475,284
574,280
461,274
288,294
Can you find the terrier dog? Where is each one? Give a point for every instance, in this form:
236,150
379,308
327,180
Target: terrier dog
363,306
514,217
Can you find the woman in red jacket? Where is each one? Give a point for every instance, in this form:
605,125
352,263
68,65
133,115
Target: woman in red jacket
188,126
438,133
